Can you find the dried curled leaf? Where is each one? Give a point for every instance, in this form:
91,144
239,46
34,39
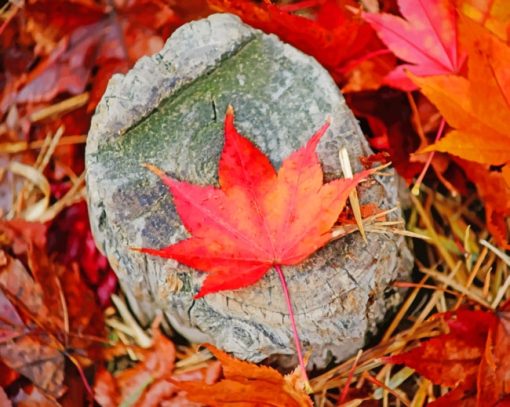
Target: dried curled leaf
49,310
151,382
247,384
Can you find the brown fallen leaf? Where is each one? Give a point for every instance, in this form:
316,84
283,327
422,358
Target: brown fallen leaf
246,384
151,381
31,396
4,400
48,313
25,347
72,37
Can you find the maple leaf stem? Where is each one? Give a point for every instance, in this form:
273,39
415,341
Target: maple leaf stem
297,341
416,187
78,367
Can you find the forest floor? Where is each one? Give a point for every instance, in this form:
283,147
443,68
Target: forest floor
429,83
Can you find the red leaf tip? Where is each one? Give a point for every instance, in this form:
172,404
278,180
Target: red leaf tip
230,110
312,143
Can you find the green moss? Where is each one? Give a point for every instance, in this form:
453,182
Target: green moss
184,134
187,126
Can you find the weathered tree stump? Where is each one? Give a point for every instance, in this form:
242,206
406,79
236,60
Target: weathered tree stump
168,110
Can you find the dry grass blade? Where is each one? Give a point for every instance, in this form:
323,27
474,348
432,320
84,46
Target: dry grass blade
496,251
141,338
371,358
28,203
46,154
75,194
447,280
394,381
36,178
353,195
433,234
14,147
65,106
373,225
402,311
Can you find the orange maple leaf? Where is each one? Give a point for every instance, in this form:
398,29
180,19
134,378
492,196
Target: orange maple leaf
247,384
477,107
493,14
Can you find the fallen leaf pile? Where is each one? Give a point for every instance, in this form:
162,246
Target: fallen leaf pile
429,82
152,381
50,318
58,56
81,35
155,381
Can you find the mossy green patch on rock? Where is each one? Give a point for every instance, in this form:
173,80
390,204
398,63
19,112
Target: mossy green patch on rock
187,126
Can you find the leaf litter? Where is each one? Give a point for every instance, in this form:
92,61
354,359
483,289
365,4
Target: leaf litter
463,271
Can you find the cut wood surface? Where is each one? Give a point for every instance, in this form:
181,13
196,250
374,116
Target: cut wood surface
168,110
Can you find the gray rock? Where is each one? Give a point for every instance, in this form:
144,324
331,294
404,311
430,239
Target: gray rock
168,110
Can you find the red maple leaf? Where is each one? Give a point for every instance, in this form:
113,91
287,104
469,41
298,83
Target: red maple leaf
472,358
426,39
337,37
259,218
